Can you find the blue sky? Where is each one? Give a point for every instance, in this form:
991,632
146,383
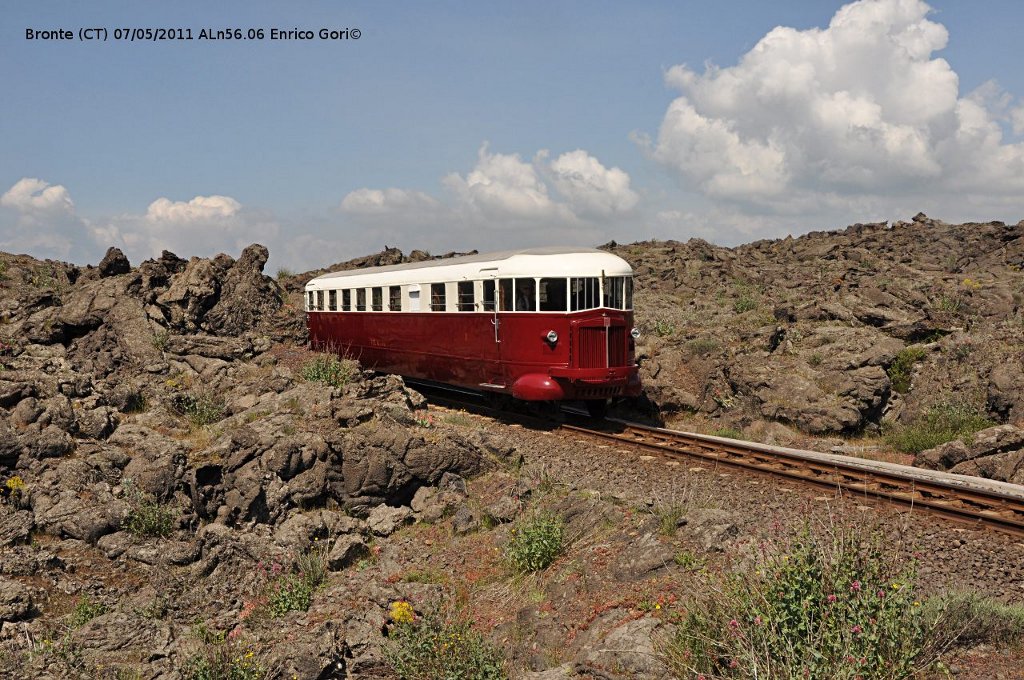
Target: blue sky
487,125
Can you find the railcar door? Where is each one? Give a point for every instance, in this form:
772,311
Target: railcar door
495,374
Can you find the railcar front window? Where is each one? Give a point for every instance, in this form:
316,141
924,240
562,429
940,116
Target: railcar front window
585,293
467,303
346,300
489,299
526,295
614,292
395,298
360,299
437,299
332,300
320,300
377,299
309,301
553,295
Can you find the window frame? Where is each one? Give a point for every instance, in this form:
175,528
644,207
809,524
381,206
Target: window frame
438,297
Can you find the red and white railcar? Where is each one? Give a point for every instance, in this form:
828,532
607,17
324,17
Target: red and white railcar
538,324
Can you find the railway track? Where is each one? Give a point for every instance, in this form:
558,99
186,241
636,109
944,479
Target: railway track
979,502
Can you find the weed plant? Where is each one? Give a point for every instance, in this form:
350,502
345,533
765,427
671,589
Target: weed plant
900,370
224,661
535,542
148,517
940,424
199,409
430,647
293,591
85,611
838,608
329,369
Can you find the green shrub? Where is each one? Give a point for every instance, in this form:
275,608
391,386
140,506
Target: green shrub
729,433
329,369
535,542
430,648
85,611
293,591
663,328
940,424
975,619
199,409
669,516
900,369
290,593
704,346
147,516
160,340
284,273
744,303
818,609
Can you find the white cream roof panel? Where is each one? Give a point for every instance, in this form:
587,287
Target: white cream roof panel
534,262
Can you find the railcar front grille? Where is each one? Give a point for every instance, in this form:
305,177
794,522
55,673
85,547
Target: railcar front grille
601,347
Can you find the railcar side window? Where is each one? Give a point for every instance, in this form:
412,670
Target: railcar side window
395,298
332,300
309,301
360,299
489,295
320,300
377,299
585,293
346,300
613,292
505,295
437,299
526,295
553,295
629,293
467,302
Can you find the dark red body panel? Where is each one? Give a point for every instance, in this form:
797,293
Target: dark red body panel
592,359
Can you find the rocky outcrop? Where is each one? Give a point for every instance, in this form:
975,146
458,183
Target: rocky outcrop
808,331
995,453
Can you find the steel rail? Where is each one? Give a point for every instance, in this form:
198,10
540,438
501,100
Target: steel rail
899,484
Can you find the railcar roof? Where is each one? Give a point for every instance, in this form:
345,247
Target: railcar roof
546,261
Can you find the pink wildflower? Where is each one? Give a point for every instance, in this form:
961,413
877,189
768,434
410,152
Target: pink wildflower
733,663
831,598
733,623
855,586
757,620
856,629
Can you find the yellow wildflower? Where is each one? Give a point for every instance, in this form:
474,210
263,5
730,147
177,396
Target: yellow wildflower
401,611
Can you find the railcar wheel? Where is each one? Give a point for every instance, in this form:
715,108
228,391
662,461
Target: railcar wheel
597,408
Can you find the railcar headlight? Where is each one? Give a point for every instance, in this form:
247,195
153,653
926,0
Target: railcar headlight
552,337
635,333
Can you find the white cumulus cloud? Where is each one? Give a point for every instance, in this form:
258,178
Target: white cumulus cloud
203,225
502,201
202,209
30,195
589,186
386,201
862,107
503,185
